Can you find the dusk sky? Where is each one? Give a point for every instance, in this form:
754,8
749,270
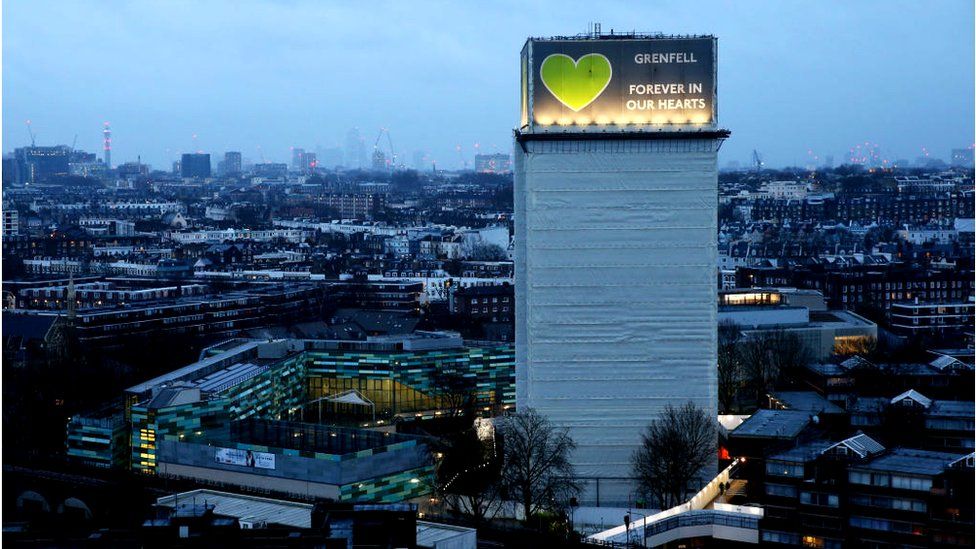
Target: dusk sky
260,77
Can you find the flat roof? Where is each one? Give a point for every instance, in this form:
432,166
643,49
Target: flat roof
280,436
189,370
827,368
631,35
230,376
807,401
785,424
272,511
802,453
430,534
952,408
911,461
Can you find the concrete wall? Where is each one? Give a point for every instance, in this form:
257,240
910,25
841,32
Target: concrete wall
175,457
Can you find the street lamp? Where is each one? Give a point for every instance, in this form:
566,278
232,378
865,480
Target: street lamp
627,522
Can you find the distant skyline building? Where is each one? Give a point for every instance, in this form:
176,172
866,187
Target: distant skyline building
107,145
962,157
493,163
36,164
329,157
232,163
355,150
309,163
379,161
420,161
297,159
615,248
270,169
195,165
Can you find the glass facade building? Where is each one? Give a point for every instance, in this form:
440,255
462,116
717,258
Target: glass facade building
252,380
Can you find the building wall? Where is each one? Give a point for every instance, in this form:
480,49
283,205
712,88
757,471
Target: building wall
98,443
615,291
404,382
151,427
378,475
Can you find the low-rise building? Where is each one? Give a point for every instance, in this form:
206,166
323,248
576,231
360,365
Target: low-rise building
945,319
800,312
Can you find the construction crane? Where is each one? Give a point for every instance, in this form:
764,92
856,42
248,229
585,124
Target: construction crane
757,160
30,132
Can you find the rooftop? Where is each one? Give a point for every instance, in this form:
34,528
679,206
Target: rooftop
860,444
271,511
802,452
806,401
625,35
910,461
197,369
230,376
782,424
278,436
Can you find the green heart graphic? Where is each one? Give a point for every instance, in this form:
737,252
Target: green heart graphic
576,83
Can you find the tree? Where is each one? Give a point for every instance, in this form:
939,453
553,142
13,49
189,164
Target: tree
850,346
789,354
469,475
456,393
537,471
760,374
729,364
769,356
675,449
487,252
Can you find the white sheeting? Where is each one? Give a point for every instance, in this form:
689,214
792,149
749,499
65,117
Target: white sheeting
616,290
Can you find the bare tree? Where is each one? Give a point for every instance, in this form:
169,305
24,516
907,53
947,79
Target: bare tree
729,364
455,392
487,251
789,354
469,475
537,471
760,373
769,357
675,449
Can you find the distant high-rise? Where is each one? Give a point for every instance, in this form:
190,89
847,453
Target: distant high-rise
37,164
379,161
493,163
355,150
107,145
195,165
297,159
309,163
420,161
232,163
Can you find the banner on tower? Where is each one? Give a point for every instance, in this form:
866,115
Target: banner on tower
618,84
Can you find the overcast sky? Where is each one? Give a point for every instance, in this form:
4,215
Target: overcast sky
261,77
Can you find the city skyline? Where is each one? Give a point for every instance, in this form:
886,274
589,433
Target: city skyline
265,90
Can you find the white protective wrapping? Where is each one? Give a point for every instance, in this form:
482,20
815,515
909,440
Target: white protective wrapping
615,251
